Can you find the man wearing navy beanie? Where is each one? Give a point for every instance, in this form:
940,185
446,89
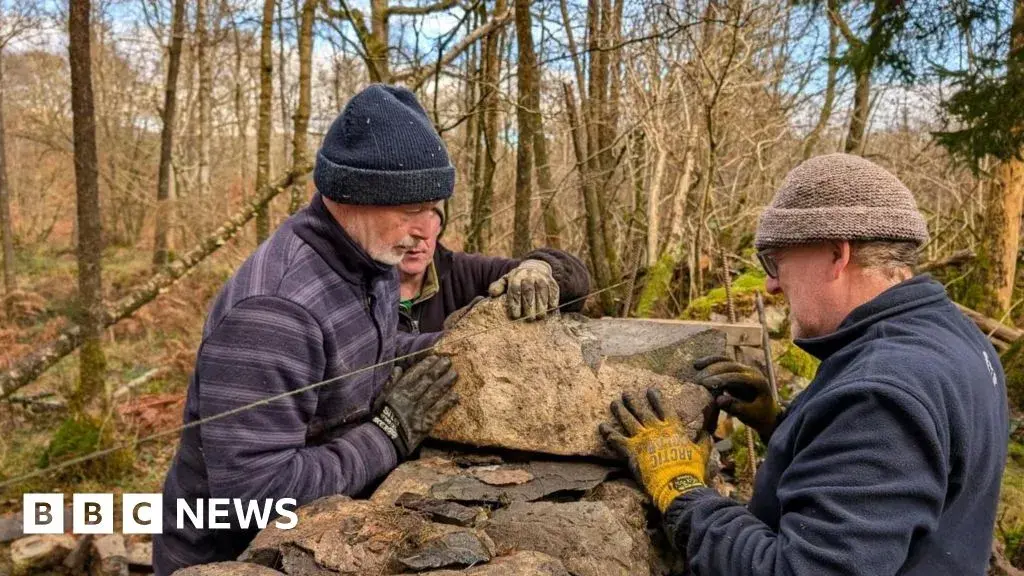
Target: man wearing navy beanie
316,302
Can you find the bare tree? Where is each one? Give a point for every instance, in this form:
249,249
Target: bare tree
830,83
204,96
862,57
92,363
164,215
479,235
300,146
15,21
526,74
264,123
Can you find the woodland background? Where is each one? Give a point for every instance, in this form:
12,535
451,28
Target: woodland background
147,146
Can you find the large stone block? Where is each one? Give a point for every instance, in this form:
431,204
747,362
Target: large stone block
588,537
545,386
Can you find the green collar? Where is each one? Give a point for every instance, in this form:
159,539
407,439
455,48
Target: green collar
431,286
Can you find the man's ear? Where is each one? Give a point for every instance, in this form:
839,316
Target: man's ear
841,254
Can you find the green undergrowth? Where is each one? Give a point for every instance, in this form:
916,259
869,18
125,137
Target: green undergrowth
81,436
1010,518
1013,365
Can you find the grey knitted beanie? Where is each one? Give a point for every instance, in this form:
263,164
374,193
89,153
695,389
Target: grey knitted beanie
840,197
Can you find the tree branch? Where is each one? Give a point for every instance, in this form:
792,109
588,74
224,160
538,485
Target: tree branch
421,10
843,27
416,76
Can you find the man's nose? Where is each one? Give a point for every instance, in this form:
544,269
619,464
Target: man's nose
772,285
419,226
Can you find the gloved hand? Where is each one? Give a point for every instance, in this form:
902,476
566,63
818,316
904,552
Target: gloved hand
661,455
531,288
741,391
414,401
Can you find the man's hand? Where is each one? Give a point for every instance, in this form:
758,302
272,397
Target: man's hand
414,401
531,288
741,391
661,455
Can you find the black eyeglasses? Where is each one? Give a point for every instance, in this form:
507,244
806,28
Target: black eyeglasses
769,263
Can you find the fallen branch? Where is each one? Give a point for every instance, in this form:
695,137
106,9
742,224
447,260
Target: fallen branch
30,367
45,401
991,326
954,259
133,384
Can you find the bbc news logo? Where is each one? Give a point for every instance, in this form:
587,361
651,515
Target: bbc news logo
144,513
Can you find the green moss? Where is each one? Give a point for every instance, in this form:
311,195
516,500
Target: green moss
1010,518
81,436
799,362
1013,365
743,288
657,286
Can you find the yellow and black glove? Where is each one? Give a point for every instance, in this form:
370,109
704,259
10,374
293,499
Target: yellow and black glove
661,455
741,391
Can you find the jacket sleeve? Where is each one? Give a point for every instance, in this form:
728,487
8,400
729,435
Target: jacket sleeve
869,473
266,347
406,343
476,272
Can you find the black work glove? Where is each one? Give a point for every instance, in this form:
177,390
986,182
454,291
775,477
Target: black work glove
741,391
414,401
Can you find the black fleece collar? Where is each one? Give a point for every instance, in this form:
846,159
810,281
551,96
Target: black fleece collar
913,293
318,228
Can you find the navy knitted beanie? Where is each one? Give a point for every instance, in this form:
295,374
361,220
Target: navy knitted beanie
383,150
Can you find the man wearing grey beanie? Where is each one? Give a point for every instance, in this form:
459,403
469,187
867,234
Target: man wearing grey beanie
890,461
316,302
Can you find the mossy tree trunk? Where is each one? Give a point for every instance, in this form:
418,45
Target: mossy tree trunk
92,363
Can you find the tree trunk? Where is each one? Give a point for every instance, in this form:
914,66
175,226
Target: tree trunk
203,57
595,240
1001,242
241,118
653,203
282,84
521,242
552,221
6,226
263,129
92,364
861,108
377,46
300,146
164,217
483,192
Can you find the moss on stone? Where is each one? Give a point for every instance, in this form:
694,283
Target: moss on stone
80,436
744,287
799,362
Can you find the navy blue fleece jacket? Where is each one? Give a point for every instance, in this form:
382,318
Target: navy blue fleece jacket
889,463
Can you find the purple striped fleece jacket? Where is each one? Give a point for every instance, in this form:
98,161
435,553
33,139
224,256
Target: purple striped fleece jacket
308,305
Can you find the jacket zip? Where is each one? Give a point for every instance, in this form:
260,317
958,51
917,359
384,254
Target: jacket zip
376,326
